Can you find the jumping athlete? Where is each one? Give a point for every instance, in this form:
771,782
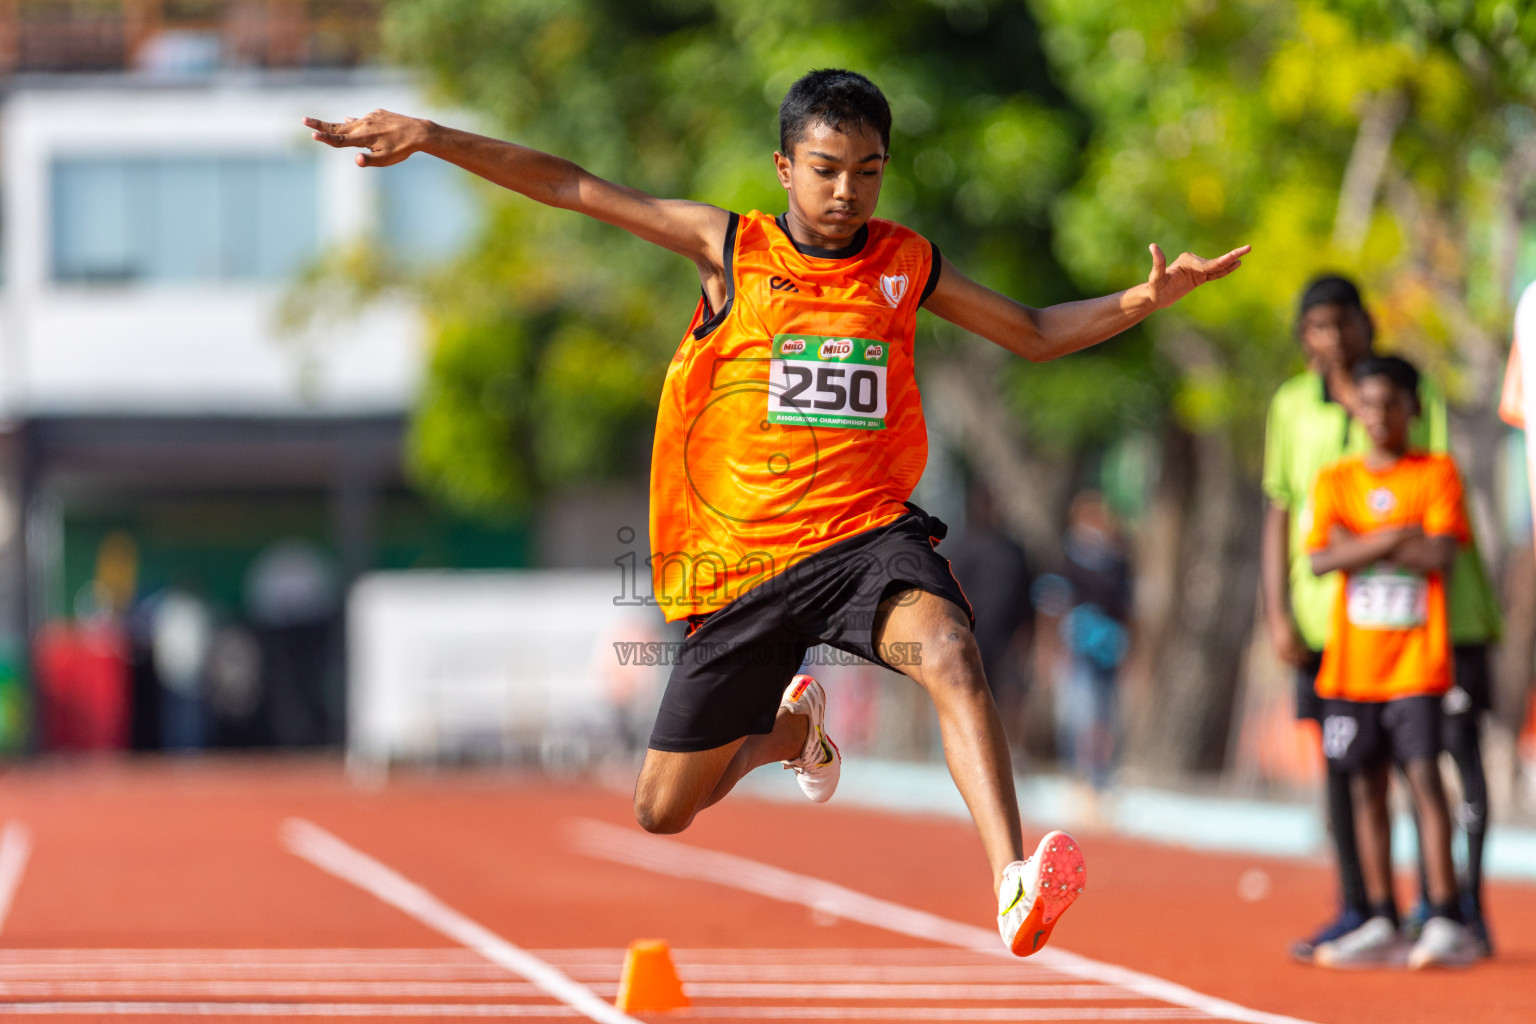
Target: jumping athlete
789,438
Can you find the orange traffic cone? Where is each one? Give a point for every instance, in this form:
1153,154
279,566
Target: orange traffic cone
649,981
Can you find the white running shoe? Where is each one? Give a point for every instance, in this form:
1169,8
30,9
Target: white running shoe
819,764
1036,892
1376,943
1444,943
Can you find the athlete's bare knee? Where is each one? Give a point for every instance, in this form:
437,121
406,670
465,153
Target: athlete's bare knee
674,786
951,665
661,817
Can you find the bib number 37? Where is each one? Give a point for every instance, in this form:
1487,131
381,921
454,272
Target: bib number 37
827,382
1386,599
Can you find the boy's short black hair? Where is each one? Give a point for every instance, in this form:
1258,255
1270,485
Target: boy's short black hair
844,101
1330,290
1396,369
1334,290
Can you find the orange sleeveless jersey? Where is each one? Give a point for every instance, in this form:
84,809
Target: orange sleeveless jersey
790,418
1390,633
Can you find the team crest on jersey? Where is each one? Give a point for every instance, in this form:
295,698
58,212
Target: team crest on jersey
1381,501
893,287
837,348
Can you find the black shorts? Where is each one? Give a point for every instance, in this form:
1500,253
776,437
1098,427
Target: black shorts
1359,735
732,669
1473,691
1474,680
1309,706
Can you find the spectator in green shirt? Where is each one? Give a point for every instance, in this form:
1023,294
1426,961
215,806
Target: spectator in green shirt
1311,423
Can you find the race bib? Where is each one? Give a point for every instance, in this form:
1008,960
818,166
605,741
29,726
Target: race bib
1386,599
827,382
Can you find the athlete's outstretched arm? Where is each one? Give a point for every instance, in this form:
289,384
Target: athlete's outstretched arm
1041,334
695,230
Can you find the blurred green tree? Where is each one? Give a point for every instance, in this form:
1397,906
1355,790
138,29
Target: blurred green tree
1042,146
552,334
1390,139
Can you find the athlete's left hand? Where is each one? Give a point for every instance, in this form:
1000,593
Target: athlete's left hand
1170,283
386,137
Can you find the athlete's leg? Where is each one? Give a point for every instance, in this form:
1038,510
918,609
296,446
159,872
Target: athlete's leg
1373,830
1339,811
1338,800
1342,813
1461,735
1465,747
783,744
1420,912
948,666
674,786
1424,783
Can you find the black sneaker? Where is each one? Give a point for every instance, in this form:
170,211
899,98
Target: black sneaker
1346,922
1478,926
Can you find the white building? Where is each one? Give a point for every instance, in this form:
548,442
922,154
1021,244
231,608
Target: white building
151,232
152,228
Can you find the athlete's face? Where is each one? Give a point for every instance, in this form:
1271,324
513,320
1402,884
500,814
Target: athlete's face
1386,411
1335,335
833,181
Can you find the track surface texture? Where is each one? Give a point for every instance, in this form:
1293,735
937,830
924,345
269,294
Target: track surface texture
241,890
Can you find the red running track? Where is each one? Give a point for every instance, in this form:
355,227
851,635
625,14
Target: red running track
167,890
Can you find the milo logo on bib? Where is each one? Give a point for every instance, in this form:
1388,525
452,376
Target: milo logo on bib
816,381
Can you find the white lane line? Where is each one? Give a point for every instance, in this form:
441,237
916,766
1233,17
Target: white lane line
866,954
768,965
467,1010
1021,1014
15,848
169,972
451,1010
976,993
934,975
328,853
492,973
246,989
670,857
790,991
281,957
914,955
236,972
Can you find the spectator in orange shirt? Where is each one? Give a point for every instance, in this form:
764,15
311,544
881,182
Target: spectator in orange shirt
1391,520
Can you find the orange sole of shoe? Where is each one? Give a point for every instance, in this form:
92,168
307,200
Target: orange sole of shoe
1061,880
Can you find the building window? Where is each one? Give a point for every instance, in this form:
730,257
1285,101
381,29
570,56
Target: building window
150,219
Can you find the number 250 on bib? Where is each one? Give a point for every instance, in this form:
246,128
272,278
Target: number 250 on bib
816,381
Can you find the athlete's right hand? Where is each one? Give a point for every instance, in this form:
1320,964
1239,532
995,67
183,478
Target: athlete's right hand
1286,639
387,137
